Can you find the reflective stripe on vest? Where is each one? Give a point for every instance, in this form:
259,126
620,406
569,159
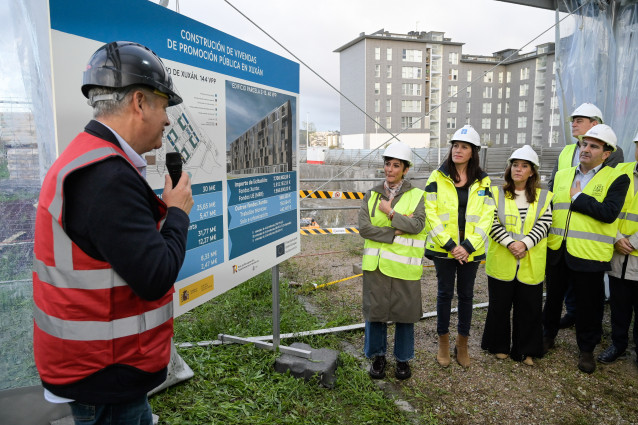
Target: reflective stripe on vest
586,237
500,263
401,259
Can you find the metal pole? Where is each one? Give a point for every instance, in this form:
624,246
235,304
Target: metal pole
275,306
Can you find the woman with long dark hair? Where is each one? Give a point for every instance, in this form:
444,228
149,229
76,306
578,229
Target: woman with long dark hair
459,209
516,259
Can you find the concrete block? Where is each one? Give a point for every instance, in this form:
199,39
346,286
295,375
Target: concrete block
323,364
357,269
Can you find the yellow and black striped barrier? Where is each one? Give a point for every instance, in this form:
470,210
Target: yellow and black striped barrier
324,194
328,230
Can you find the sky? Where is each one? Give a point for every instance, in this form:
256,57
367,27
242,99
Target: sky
312,30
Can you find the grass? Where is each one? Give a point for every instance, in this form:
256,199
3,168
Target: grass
237,384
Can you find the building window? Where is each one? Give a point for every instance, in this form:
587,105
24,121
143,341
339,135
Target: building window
485,138
487,92
498,108
410,122
451,107
509,77
525,73
507,107
388,54
468,91
388,71
410,106
520,138
498,123
377,119
487,108
377,53
524,90
411,89
467,121
486,123
507,92
410,72
377,71
412,55
522,106
500,77
453,75
522,122
451,122
377,105
497,139
453,58
468,107
388,120
506,123
500,92
469,75
452,90
487,78
504,138
388,105
377,88
388,89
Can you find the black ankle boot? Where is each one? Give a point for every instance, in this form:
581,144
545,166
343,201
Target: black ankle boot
377,370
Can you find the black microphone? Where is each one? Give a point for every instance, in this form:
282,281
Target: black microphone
174,166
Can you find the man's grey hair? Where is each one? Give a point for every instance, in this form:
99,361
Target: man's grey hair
108,101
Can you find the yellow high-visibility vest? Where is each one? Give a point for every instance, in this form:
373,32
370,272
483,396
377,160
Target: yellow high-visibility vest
586,238
566,156
628,219
500,263
401,259
442,210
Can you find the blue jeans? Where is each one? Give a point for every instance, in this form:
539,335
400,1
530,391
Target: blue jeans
447,271
376,340
136,412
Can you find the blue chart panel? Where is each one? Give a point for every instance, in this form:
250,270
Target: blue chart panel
205,242
261,210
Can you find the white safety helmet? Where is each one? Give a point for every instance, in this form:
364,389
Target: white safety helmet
604,133
399,150
588,110
636,138
526,153
467,134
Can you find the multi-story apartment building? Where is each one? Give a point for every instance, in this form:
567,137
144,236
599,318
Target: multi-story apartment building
422,87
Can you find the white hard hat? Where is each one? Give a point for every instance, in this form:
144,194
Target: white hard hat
588,110
399,150
526,153
636,138
467,134
604,133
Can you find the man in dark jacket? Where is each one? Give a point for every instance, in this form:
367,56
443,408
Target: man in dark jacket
587,201
107,249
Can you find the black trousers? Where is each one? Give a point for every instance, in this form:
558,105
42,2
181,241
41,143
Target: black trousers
589,289
623,301
520,334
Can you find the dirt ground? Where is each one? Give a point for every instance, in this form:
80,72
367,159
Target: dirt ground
553,391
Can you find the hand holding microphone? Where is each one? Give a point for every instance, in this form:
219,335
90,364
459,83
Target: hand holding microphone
177,186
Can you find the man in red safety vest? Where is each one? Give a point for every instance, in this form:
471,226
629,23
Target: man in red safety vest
107,249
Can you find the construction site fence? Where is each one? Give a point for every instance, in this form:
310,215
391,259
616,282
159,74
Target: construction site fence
425,160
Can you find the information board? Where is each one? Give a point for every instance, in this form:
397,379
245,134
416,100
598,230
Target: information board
236,130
